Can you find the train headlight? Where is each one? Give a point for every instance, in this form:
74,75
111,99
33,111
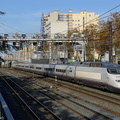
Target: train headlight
117,80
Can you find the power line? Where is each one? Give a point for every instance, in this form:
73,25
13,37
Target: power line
3,28
11,27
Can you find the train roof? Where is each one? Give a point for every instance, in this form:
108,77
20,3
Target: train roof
100,64
86,64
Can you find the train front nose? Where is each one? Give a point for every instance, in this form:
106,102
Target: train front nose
114,80
117,81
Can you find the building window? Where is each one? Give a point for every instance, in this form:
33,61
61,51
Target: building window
60,17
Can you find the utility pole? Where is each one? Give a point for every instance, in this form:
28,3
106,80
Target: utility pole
50,53
110,43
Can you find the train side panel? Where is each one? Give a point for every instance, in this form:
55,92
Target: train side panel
38,68
89,76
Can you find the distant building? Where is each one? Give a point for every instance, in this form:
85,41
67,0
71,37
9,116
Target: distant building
56,22
54,28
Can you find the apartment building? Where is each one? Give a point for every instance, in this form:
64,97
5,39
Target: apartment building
56,22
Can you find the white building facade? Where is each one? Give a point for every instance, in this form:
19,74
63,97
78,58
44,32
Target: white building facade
56,27
56,22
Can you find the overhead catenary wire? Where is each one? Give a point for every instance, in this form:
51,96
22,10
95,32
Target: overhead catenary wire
3,24
4,28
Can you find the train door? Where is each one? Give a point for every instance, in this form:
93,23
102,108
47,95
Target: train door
105,79
51,70
70,72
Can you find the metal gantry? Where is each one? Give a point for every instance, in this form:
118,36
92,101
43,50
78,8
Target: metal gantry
18,39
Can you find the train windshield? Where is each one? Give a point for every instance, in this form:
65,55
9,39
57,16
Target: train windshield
114,70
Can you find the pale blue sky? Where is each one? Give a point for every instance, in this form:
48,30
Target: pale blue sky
25,15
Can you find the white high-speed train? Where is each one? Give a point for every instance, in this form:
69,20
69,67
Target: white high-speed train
95,74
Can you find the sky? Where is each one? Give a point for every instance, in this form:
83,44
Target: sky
24,16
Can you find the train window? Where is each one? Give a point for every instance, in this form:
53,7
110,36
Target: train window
51,69
38,68
114,70
31,66
117,80
48,69
60,70
26,66
118,70
95,65
98,65
56,70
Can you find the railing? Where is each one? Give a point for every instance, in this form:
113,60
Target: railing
5,113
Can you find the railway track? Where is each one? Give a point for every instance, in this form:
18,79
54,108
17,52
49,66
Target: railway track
104,100
79,106
111,98
36,109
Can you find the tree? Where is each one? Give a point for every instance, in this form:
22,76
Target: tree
115,18
90,33
102,43
99,39
74,35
